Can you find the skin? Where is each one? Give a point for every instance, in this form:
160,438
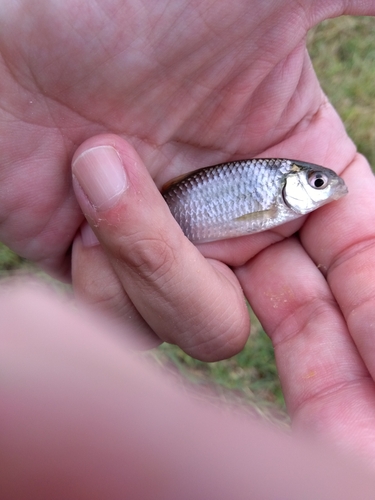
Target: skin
174,87
103,424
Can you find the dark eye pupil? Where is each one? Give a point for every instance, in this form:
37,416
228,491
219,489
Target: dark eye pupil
318,182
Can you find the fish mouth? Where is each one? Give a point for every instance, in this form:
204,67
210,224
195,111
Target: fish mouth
340,189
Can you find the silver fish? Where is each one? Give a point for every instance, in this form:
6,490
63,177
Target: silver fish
248,196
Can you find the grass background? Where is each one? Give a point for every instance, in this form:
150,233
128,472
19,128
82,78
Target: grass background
343,54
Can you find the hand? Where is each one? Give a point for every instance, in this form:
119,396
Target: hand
187,86
82,417
146,273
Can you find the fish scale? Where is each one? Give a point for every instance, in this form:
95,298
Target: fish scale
247,196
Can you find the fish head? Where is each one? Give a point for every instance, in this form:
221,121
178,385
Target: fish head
308,186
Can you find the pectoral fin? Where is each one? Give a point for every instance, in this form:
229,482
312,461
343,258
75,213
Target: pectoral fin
261,214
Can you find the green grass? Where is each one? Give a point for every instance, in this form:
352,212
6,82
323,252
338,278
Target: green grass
248,379
9,261
343,54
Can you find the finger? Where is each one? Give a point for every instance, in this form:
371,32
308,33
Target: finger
341,8
327,388
341,240
82,406
96,284
184,298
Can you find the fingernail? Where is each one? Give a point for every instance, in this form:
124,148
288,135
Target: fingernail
101,176
88,236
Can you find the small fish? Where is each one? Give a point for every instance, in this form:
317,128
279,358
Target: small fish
248,196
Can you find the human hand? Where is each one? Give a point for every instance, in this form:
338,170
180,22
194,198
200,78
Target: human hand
196,85
145,273
83,417
321,321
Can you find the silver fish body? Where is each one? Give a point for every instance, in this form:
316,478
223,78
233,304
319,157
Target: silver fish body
249,196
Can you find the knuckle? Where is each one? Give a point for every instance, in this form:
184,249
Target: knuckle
319,311
100,292
102,296
151,258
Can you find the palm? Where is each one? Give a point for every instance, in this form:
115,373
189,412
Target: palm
195,84
182,94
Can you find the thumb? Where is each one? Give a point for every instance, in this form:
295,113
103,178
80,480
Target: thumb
183,297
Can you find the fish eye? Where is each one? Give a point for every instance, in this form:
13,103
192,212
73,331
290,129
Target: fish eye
318,180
